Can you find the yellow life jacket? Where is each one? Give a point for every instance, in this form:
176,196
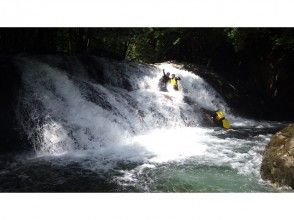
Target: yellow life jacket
174,82
219,115
226,124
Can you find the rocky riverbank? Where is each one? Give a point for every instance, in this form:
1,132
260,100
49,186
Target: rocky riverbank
278,158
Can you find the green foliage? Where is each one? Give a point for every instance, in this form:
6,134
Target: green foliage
145,44
235,36
284,40
183,44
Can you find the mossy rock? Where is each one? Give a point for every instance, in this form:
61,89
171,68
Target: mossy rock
278,158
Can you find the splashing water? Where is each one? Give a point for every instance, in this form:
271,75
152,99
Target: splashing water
119,126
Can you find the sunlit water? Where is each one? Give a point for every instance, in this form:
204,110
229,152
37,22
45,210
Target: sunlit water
125,135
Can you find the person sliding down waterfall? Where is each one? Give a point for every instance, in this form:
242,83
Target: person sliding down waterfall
220,120
216,118
174,82
163,81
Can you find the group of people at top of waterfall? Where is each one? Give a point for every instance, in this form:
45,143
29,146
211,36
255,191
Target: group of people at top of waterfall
167,78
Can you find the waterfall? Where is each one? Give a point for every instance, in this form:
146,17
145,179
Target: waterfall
65,110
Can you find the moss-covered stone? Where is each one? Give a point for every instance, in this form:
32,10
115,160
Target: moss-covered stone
278,158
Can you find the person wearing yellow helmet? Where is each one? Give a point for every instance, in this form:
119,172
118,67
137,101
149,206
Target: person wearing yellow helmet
216,118
220,120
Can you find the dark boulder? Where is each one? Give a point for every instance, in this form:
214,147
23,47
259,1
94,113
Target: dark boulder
278,158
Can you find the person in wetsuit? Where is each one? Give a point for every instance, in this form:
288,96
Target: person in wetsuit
163,81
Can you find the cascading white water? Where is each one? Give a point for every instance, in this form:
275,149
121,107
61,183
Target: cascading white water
126,118
78,114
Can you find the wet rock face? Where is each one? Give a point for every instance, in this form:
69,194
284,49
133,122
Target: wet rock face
278,158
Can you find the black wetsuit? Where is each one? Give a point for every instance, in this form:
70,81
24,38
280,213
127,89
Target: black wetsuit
163,83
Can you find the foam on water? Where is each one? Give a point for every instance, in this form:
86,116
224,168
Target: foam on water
173,144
